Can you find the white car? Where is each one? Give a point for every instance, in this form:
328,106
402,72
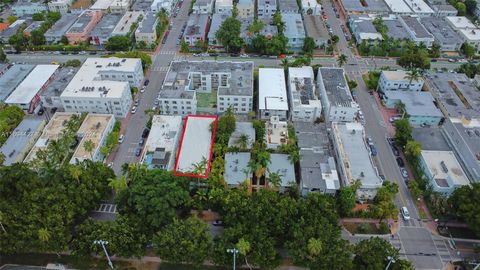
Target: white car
121,138
244,55
143,89
405,214
134,109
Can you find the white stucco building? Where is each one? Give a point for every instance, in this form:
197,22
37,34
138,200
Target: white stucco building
398,80
304,102
337,101
272,94
102,85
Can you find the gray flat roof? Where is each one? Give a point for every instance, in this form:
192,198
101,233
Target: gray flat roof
240,81
293,25
18,141
33,26
365,26
279,163
196,25
287,5
235,166
60,81
442,86
415,26
416,103
312,135
142,5
336,86
396,29
12,77
441,30
106,25
62,25
82,21
217,20
242,128
148,23
315,27
370,6
431,139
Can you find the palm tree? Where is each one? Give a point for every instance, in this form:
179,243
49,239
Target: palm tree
118,184
285,63
242,141
44,235
413,74
89,147
400,106
314,247
200,167
75,172
342,59
275,179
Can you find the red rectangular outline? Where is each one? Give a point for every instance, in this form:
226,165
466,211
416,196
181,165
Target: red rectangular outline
207,171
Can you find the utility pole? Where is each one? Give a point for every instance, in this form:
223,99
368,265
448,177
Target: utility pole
390,261
103,243
235,252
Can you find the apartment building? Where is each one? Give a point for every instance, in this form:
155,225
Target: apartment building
354,159
80,30
337,101
124,26
61,6
203,7
272,94
246,9
266,8
147,29
418,33
294,29
58,30
103,30
398,80
305,106
102,85
197,28
231,82
223,7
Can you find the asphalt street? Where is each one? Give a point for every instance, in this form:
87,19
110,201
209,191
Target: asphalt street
160,62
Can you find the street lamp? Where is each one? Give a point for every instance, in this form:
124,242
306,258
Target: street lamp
235,252
390,261
103,243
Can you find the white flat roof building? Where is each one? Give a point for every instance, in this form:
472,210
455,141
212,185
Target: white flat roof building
26,95
443,170
223,6
95,129
195,146
162,143
101,5
304,102
398,80
61,6
311,5
102,85
398,7
354,159
419,7
460,22
272,93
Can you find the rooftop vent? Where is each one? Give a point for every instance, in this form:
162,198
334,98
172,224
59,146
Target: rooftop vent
444,167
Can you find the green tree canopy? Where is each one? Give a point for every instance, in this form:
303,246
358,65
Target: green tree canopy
184,241
403,132
229,35
118,43
465,207
372,254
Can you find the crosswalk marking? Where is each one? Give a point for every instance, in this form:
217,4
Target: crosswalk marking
160,69
107,208
168,52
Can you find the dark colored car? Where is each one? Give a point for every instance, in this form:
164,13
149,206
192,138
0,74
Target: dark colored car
138,151
145,133
217,223
40,112
395,151
141,142
400,162
146,82
373,150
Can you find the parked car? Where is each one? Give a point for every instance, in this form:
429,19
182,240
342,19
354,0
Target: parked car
141,142
394,118
134,109
369,141
373,150
145,132
400,162
142,90
138,151
136,102
121,138
395,151
146,82
405,213
404,173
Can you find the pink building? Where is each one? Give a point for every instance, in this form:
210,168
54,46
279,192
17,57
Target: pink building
80,30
